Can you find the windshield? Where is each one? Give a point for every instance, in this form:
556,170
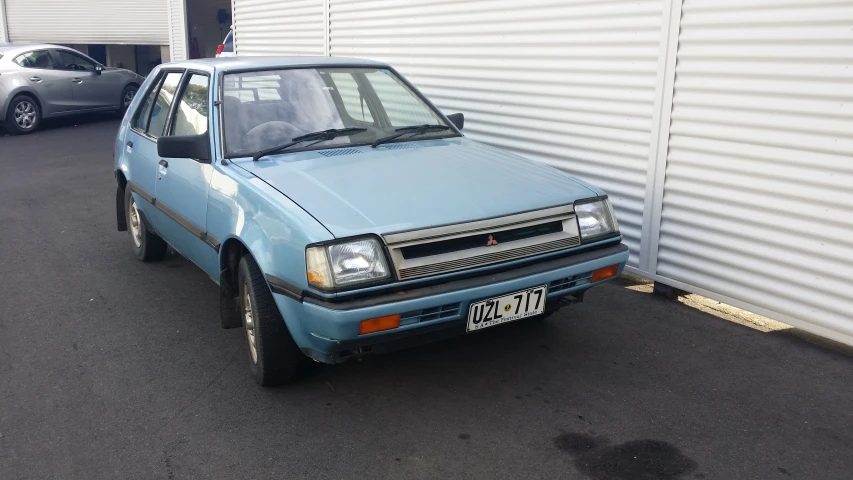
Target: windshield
262,110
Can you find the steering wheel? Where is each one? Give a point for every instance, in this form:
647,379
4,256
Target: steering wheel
270,134
73,66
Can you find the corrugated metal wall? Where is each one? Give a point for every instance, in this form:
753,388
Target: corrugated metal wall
569,83
177,30
88,21
758,196
272,27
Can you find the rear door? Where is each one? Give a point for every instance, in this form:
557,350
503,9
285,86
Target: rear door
92,89
183,183
40,73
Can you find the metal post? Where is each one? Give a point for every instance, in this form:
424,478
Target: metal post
659,142
4,30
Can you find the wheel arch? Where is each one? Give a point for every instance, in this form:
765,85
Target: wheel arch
27,92
230,253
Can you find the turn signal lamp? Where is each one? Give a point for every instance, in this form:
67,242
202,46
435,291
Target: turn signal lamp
379,324
604,273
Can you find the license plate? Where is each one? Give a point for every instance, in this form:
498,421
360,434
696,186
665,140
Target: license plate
506,308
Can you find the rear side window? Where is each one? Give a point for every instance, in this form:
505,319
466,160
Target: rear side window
163,103
36,59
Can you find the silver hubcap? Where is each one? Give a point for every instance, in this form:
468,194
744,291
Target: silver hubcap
249,321
25,115
135,225
128,97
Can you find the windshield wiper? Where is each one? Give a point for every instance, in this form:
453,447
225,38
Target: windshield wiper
319,136
414,130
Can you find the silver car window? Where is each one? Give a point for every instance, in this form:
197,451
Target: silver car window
35,59
72,61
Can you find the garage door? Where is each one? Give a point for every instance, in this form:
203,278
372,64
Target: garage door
569,83
758,196
271,27
88,21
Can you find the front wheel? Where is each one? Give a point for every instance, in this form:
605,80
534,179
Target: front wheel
274,358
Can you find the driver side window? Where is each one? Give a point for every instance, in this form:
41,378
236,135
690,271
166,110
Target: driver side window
71,61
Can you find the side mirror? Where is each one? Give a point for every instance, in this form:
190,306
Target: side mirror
99,69
196,147
457,119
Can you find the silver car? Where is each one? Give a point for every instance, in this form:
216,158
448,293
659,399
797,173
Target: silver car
43,81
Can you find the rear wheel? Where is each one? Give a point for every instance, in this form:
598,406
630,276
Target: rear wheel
126,98
23,116
147,246
274,358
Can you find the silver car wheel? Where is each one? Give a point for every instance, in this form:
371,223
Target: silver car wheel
135,224
25,115
249,321
128,97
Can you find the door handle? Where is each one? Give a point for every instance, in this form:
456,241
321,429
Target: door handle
76,80
162,170
36,79
129,144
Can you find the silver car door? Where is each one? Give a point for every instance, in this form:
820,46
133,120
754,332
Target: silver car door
92,89
54,88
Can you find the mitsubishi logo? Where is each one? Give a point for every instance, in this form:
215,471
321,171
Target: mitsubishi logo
492,241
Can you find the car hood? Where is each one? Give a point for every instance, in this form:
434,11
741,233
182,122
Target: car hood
414,185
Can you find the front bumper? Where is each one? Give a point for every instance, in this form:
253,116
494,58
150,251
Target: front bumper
328,331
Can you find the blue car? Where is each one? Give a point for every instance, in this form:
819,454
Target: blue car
342,214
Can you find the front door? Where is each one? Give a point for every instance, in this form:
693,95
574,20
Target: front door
51,84
92,89
140,148
182,183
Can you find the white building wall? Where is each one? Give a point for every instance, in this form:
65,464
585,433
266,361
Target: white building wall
758,191
87,21
272,27
177,30
722,129
568,83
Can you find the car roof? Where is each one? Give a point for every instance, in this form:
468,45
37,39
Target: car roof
226,64
12,48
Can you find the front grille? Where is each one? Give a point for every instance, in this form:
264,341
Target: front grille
416,316
460,246
487,259
476,241
570,282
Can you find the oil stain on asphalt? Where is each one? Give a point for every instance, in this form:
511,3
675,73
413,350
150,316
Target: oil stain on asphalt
634,460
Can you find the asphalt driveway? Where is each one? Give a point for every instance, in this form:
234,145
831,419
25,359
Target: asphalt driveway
110,368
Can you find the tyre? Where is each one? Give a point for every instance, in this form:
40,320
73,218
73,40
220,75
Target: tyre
126,98
23,116
274,358
147,246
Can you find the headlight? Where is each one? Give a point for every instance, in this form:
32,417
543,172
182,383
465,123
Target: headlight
595,219
345,264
